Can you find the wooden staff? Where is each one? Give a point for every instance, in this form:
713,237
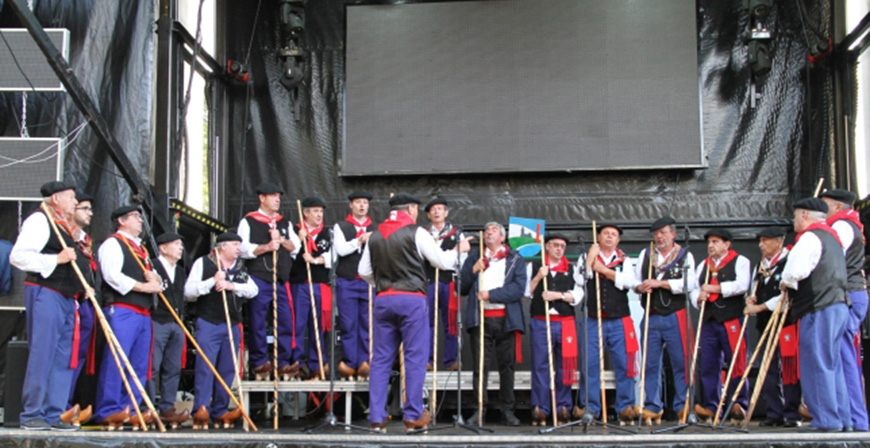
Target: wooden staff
480,363
229,328
768,357
600,335
107,329
695,351
196,346
733,361
646,332
371,329
819,187
552,371
433,402
314,315
402,371
275,339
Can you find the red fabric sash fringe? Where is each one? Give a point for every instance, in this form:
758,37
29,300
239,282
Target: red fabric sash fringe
184,353
788,351
242,351
631,346
732,327
688,347
292,316
569,347
452,311
91,359
77,336
326,306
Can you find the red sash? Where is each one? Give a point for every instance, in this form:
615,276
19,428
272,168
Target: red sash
631,346
292,315
569,347
452,311
732,327
241,351
151,351
788,351
687,342
91,359
77,336
714,279
326,306
519,336
184,353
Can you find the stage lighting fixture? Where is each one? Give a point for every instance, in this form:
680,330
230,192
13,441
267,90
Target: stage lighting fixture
292,16
758,57
294,73
760,9
237,70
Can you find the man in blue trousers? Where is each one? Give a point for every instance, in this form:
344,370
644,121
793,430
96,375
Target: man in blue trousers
814,277
447,236
50,289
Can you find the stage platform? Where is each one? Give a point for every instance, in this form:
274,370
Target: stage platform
291,435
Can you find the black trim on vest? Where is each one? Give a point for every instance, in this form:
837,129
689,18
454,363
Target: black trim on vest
559,282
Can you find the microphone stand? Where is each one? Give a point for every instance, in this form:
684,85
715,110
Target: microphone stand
330,420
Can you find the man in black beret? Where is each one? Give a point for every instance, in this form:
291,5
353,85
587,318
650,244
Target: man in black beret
814,277
316,252
667,316
217,279
353,293
168,357
723,288
266,234
49,292
847,223
781,388
447,236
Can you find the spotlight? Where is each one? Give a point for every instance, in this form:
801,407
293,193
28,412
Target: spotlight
760,9
294,73
758,57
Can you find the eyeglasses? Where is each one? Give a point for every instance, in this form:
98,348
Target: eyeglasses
85,209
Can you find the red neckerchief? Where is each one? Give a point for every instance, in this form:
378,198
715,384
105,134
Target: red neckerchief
86,246
446,232
265,219
60,220
620,257
360,226
138,251
499,254
847,215
714,279
395,221
561,268
821,225
312,235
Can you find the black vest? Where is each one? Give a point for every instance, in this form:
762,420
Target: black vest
826,285
131,269
173,291
396,263
319,272
614,301
724,308
63,279
766,291
855,260
448,243
348,265
557,281
210,307
663,301
261,266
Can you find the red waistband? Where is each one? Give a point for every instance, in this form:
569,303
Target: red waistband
136,309
50,289
394,292
556,318
494,313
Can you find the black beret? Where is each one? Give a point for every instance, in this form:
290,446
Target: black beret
81,196
844,196
49,188
812,204
313,201
438,200
721,233
168,238
269,188
772,232
403,199
602,226
123,210
555,236
359,194
661,222
228,236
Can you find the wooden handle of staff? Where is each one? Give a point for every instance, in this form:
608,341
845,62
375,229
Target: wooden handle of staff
314,316
733,361
434,400
690,389
600,334
480,380
275,405
819,187
768,357
649,276
552,371
371,325
229,328
114,345
196,347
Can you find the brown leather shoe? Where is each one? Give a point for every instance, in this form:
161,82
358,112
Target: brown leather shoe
564,416
429,367
263,371
578,413
200,418
649,417
173,418
116,420
344,371
421,423
627,416
84,416
363,370
146,417
453,367
737,412
70,414
538,417
315,375
289,372
228,419
380,427
703,412
804,412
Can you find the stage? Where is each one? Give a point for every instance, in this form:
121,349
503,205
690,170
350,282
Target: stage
524,436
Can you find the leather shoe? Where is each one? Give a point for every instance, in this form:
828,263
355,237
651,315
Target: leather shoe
563,416
703,412
380,427
70,414
453,367
578,412
737,412
772,422
509,419
789,423
420,423
538,417
804,412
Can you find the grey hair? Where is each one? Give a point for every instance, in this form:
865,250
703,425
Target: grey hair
500,227
817,215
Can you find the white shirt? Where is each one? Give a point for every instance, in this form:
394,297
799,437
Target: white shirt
493,278
27,252
845,233
111,256
196,286
577,293
168,267
736,287
675,284
624,279
427,248
247,247
804,257
342,246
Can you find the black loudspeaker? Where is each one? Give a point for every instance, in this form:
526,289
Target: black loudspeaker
16,365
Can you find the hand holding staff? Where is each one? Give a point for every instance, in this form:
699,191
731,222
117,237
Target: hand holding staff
691,387
649,276
549,342
600,335
314,316
733,361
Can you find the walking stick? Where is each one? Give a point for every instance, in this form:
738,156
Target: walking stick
600,335
768,357
649,276
196,346
402,371
107,329
275,339
819,187
433,403
371,332
313,302
549,343
733,362
480,363
230,330
690,390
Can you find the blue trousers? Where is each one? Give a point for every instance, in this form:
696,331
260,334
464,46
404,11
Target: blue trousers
352,299
613,332
665,332
86,328
305,326
783,400
822,381
716,354
260,313
166,364
851,370
399,318
50,326
133,331
450,345
541,367
215,344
